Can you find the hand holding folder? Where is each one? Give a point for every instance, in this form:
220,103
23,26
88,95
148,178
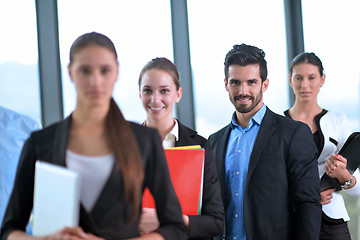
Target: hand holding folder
350,151
186,167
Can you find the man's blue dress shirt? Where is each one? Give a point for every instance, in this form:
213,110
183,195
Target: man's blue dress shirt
15,128
240,145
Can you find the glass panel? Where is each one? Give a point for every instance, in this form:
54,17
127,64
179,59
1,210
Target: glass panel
331,32
333,36
138,34
214,28
19,78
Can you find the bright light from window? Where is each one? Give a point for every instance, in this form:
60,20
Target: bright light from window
140,30
214,28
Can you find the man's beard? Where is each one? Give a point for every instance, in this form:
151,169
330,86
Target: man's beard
242,108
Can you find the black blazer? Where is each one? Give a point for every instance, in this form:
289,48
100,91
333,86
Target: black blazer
211,221
108,217
282,193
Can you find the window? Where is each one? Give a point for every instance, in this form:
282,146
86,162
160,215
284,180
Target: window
214,28
19,78
331,32
333,37
140,30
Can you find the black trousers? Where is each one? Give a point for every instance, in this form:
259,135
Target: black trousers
332,229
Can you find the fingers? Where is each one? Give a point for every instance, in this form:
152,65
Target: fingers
148,221
149,210
69,233
341,158
93,237
76,231
335,164
329,191
326,196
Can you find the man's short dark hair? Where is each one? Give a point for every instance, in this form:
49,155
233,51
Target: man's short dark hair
244,55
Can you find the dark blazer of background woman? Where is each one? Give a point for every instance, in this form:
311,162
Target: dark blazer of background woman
211,221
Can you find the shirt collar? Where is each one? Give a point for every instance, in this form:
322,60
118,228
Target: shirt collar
257,118
175,130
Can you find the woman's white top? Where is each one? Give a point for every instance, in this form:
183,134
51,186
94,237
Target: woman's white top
94,173
171,137
336,126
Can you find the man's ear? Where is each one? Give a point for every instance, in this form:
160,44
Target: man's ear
265,85
226,84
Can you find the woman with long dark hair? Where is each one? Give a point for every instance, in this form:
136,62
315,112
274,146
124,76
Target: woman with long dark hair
330,131
115,159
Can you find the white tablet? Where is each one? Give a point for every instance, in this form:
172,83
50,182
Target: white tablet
56,198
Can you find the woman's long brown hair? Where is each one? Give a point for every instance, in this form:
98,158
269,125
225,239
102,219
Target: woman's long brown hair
119,134
122,141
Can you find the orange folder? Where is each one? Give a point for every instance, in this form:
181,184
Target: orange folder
186,167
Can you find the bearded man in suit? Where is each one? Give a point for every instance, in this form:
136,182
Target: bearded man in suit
266,163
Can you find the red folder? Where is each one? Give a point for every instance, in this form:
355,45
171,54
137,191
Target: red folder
186,167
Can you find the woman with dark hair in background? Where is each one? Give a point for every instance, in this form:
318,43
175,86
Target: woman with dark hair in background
330,131
115,159
159,90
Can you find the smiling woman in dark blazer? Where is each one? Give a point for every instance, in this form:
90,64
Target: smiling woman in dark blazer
115,159
159,90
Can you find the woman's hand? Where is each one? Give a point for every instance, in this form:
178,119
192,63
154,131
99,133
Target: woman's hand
72,233
148,221
335,167
68,233
326,196
93,237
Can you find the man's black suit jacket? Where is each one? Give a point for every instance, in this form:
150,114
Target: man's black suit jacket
282,194
211,221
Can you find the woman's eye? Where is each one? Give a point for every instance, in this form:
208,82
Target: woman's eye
84,71
146,90
105,71
164,90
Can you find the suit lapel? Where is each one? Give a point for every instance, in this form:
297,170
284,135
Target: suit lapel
60,141
220,158
59,148
185,136
267,129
